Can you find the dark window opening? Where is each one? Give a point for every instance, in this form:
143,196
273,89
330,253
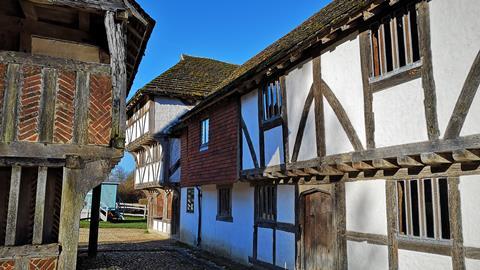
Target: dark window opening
394,42
444,213
266,207
415,210
224,207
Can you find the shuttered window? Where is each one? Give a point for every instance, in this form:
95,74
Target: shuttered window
272,100
224,207
423,208
394,42
266,202
190,200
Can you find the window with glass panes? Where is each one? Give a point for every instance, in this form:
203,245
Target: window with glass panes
204,134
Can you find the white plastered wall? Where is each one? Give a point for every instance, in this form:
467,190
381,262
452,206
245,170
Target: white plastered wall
188,221
366,209
362,255
470,200
231,239
175,148
273,143
167,110
412,260
286,204
341,70
265,245
400,114
250,116
298,83
471,264
161,227
455,41
285,249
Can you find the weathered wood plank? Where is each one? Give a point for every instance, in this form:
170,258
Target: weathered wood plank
47,104
10,103
463,155
365,60
116,43
464,101
376,239
342,116
428,80
34,251
396,79
40,206
454,209
341,227
13,200
82,96
407,162
285,131
440,249
318,107
433,159
52,62
391,195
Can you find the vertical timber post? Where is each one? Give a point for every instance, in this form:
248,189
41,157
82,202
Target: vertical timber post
94,221
72,204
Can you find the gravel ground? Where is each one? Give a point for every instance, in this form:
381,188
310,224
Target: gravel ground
127,249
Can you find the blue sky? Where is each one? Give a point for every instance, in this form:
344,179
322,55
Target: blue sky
230,31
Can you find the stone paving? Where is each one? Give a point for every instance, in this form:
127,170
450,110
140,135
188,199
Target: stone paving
128,249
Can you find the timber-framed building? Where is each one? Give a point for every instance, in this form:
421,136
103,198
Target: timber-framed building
358,139
65,70
151,114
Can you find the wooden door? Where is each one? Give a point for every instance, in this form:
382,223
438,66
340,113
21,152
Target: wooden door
318,231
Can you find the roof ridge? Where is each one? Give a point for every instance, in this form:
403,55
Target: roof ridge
184,56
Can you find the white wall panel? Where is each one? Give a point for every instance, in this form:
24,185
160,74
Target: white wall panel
232,239
274,146
362,255
471,264
298,83
285,250
366,206
400,115
341,70
286,203
188,221
265,245
250,116
455,43
336,139
411,260
167,110
470,200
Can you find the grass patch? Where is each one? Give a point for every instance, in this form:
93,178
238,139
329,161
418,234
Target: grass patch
128,223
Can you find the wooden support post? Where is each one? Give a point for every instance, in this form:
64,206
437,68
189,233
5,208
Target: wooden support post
341,225
11,100
94,221
47,112
454,203
13,206
392,225
40,206
72,204
80,134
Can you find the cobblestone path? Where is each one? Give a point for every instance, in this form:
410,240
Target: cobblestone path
136,250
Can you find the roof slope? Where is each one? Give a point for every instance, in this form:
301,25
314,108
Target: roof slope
192,77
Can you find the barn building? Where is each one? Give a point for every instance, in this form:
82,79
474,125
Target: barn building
65,70
353,142
151,113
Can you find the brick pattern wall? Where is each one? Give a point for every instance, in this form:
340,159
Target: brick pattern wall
3,73
43,264
7,265
64,108
217,164
100,110
30,104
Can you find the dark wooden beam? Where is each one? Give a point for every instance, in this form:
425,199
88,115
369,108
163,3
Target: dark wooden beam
365,60
94,221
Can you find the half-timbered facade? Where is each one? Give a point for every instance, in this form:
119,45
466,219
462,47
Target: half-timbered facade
151,113
65,70
359,142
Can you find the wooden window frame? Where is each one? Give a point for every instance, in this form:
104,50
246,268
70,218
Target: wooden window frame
272,91
379,75
190,202
221,200
406,186
266,208
204,134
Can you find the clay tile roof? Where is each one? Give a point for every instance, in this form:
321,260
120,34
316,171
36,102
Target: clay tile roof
334,13
191,78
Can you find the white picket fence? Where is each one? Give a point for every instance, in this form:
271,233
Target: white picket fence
133,209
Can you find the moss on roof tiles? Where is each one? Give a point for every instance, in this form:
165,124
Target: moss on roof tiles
192,77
